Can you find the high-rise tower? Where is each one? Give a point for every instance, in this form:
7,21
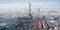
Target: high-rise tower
29,9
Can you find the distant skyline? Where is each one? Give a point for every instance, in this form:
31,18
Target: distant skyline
30,1
18,5
25,6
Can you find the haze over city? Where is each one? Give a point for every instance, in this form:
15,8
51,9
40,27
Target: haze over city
22,6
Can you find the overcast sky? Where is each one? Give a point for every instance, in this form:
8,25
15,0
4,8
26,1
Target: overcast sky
29,1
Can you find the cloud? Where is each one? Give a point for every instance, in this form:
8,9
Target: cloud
27,1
